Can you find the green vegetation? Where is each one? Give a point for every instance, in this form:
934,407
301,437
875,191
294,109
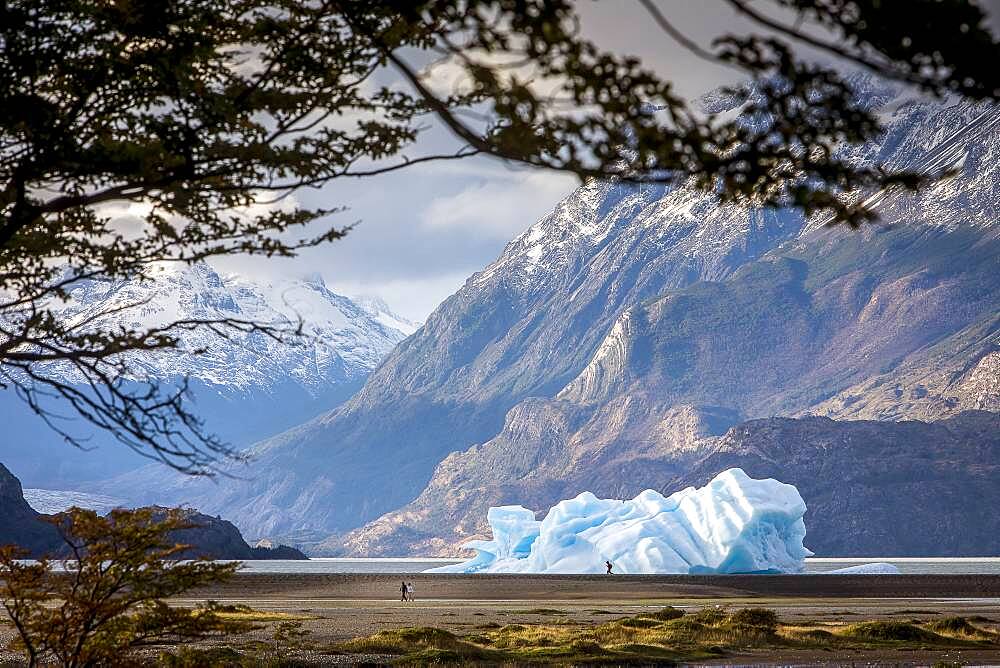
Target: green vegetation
662,636
419,644
961,627
900,631
112,591
224,657
663,614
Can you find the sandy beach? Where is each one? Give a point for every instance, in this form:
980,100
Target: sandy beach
334,608
501,587
344,606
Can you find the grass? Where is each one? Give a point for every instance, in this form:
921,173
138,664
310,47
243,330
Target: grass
661,636
244,613
962,628
663,615
262,616
223,657
892,631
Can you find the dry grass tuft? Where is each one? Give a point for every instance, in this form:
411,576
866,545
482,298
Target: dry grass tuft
658,637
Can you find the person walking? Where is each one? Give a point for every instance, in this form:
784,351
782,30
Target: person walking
402,590
610,566
409,590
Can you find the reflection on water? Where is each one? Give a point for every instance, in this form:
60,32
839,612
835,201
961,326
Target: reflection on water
971,565
339,565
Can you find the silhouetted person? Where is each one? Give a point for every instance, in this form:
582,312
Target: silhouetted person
610,566
402,589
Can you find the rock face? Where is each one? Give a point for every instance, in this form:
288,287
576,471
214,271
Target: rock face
19,523
571,358
878,488
216,538
246,388
873,488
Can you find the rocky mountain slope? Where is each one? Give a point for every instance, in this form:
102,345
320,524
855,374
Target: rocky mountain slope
20,524
873,488
594,328
247,387
828,313
878,488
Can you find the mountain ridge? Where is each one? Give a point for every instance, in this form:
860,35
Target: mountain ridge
247,387
521,331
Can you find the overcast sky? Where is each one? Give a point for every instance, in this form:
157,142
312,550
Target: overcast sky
422,231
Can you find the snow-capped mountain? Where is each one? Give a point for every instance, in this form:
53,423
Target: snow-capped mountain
592,330
378,309
246,386
340,339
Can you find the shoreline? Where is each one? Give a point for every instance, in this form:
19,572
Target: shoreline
502,587
459,609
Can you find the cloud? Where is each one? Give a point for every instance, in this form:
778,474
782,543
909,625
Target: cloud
501,207
411,298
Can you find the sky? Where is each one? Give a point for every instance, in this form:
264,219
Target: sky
421,232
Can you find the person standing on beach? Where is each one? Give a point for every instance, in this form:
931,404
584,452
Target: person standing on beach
610,566
402,590
409,590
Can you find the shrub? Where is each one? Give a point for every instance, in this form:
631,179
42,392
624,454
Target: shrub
891,631
759,617
953,625
712,615
664,614
639,623
216,657
585,646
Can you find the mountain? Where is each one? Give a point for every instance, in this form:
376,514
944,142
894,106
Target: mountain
380,311
247,386
216,538
617,334
878,488
897,321
873,488
211,537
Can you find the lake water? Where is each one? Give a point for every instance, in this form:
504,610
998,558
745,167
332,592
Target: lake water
968,565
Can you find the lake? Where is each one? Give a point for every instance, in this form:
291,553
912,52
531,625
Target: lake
927,565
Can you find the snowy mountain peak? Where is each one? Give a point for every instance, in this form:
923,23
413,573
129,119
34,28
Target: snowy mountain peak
341,340
379,310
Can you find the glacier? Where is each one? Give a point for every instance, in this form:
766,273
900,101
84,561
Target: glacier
734,524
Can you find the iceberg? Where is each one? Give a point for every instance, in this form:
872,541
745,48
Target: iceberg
877,568
734,524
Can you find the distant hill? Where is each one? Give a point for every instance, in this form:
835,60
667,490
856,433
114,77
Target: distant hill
212,537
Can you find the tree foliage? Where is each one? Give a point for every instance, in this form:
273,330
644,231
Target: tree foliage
208,116
109,592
